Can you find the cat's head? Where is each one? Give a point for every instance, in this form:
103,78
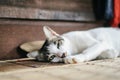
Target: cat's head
55,47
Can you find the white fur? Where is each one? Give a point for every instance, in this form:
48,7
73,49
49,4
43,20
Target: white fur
92,44
87,45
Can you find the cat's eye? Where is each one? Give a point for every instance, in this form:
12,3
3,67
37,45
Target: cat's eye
52,57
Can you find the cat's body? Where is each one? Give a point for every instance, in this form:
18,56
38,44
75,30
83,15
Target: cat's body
80,46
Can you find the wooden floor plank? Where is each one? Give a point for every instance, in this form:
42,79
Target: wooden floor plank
107,69
5,67
17,65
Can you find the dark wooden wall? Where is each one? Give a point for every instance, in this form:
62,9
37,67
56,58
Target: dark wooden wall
22,21
75,10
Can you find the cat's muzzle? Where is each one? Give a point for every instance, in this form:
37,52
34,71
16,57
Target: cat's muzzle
63,55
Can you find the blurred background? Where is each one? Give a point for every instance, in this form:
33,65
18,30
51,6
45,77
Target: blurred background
22,21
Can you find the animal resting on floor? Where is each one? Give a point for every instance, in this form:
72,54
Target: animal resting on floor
79,46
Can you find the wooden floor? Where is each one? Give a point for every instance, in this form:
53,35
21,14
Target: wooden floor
108,69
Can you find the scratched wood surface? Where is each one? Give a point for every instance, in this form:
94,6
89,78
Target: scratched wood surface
62,5
70,10
108,69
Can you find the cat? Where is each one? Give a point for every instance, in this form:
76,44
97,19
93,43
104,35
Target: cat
79,46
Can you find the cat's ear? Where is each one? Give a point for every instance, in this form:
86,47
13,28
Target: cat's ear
49,33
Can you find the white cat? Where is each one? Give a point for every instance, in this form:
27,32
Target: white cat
79,46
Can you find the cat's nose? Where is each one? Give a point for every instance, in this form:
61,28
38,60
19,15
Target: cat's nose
63,55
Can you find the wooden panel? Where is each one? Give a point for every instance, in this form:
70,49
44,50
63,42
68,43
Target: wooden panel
73,10
29,13
62,5
13,33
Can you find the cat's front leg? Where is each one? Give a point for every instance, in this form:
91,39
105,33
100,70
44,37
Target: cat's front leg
88,54
74,59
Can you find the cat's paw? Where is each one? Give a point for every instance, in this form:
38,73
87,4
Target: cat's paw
74,59
69,60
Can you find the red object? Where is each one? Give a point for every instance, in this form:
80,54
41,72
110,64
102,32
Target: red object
116,19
